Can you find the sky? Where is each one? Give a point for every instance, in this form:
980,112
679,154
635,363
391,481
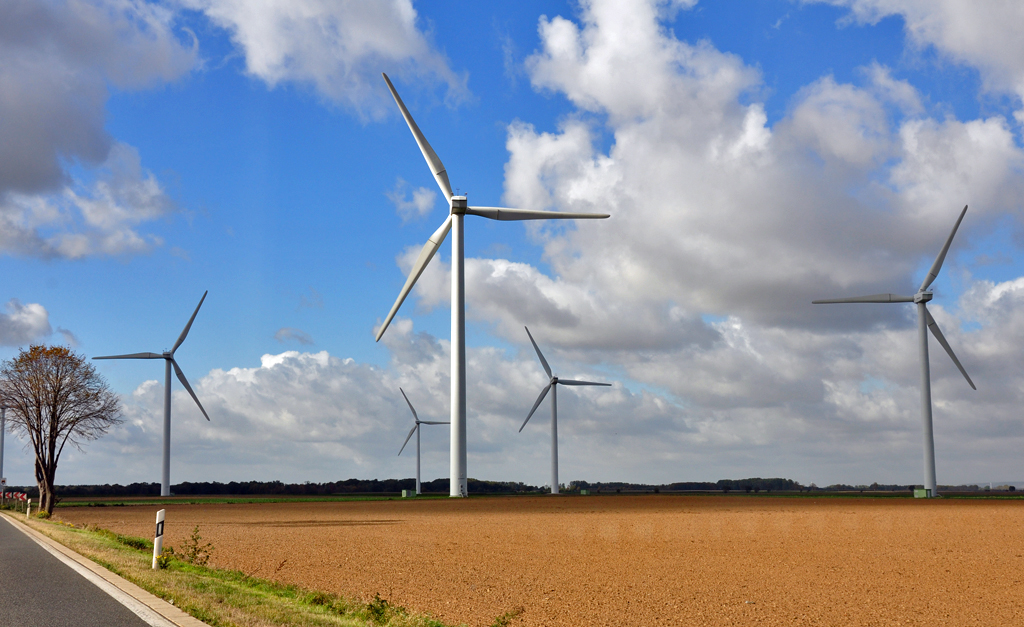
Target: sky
754,155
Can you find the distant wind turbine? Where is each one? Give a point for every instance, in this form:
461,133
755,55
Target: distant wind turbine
168,357
458,210
552,383
925,322
416,429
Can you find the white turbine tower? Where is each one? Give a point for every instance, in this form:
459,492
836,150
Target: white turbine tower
168,357
416,429
552,383
458,209
925,322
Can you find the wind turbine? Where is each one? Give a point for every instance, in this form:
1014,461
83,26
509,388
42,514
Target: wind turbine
416,428
458,209
552,383
925,322
168,357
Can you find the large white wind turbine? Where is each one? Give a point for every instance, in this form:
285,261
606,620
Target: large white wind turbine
416,429
925,322
454,222
168,357
552,383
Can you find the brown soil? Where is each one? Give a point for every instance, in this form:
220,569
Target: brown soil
630,560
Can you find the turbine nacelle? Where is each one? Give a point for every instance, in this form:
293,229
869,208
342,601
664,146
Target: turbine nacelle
923,296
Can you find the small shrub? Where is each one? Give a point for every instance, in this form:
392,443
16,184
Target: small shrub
42,514
193,552
378,609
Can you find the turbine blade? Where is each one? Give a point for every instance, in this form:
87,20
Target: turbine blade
426,254
934,328
430,422
181,338
571,382
133,356
540,398
411,408
934,272
543,361
504,214
407,438
184,381
436,167
874,298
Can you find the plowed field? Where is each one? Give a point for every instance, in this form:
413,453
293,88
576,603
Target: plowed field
630,560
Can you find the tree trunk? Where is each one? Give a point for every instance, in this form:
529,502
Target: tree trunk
47,495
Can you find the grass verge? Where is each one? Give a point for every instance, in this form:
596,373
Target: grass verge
223,598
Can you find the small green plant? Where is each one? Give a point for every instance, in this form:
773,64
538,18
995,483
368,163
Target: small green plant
378,609
506,619
165,558
42,514
193,551
319,598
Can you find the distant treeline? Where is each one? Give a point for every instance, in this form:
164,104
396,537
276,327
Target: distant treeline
441,486
278,488
753,484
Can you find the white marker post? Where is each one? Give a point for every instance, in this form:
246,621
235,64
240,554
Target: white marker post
158,539
28,509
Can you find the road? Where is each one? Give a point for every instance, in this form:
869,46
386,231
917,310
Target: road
38,589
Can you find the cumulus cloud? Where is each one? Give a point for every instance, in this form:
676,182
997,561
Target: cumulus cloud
66,187
694,297
23,323
336,47
984,35
724,229
809,405
89,218
316,416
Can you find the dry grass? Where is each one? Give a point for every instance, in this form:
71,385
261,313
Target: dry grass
223,597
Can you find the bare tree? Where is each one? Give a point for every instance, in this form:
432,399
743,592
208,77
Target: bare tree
54,397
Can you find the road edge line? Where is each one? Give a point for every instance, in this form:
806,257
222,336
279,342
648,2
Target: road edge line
145,605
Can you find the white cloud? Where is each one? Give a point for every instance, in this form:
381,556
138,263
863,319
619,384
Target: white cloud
89,218
23,323
984,35
60,59
338,47
724,229
420,203
694,297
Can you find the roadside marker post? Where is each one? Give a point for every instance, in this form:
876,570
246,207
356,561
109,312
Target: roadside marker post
28,509
158,539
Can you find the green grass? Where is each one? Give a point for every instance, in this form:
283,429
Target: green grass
224,597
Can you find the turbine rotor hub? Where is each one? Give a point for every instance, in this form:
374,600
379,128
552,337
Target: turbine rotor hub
923,297
459,205
167,355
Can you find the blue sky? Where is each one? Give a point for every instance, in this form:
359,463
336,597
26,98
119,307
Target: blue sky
753,155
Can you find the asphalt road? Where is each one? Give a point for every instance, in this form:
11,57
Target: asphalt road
38,589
